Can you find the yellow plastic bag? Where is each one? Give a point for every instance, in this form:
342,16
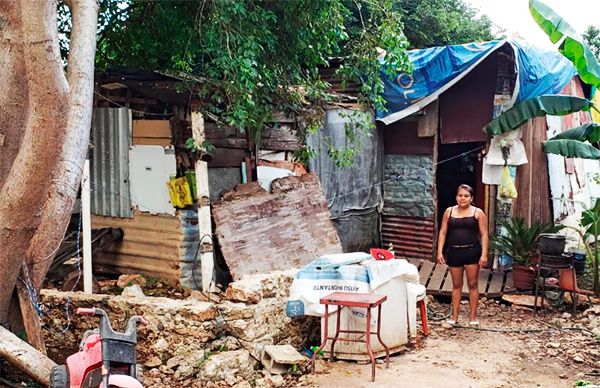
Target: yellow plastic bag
507,187
180,193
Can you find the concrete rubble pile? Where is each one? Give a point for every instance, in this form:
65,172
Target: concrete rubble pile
193,342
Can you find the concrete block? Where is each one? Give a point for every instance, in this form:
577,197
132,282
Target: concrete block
278,359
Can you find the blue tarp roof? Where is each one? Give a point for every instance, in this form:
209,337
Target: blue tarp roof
436,69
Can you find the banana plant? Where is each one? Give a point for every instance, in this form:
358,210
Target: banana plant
556,105
571,45
576,142
589,232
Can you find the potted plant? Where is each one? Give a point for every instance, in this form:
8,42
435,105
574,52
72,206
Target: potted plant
519,241
589,231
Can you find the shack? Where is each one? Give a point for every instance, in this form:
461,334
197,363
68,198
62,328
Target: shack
433,140
142,138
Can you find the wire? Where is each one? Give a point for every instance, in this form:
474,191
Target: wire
521,330
397,177
133,110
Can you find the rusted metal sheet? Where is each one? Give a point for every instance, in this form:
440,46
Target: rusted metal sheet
151,245
467,106
111,136
259,232
572,181
429,122
533,203
401,138
412,237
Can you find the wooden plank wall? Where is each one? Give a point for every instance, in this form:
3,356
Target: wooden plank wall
533,202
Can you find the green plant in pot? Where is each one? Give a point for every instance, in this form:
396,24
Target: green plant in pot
589,231
519,241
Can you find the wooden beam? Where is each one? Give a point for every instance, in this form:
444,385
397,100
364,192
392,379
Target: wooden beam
31,321
207,260
26,358
130,100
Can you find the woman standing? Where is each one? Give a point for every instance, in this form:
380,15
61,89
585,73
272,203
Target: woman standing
463,245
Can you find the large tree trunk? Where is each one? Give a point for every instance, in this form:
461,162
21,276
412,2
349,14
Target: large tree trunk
26,187
65,183
67,176
25,357
45,144
13,100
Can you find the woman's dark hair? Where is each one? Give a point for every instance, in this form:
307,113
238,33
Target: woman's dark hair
466,187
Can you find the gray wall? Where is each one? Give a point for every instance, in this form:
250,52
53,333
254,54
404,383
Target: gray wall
408,187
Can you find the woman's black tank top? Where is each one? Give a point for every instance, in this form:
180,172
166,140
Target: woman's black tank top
462,231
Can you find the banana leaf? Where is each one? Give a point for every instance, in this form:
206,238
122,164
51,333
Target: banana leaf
572,47
571,149
587,132
556,105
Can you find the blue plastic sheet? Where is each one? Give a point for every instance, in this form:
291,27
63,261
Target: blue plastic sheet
436,69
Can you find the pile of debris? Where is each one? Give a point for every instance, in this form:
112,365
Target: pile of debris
196,340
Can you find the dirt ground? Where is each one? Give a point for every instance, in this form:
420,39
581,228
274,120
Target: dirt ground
511,348
465,357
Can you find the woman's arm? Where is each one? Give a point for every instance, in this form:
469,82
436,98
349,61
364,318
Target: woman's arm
483,231
442,237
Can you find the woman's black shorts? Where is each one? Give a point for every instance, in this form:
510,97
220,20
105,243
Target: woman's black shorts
460,256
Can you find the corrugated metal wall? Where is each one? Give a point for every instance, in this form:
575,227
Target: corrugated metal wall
409,205
151,245
412,237
111,136
467,106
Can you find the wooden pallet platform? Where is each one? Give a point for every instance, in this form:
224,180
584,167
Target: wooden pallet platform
436,278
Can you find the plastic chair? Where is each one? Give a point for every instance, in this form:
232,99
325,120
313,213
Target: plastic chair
422,305
567,281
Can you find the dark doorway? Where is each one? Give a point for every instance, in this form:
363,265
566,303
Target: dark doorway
457,164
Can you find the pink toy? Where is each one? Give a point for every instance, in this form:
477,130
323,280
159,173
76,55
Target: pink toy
105,358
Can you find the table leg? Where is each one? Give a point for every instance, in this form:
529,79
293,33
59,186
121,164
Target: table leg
574,293
337,331
536,290
325,334
387,350
368,343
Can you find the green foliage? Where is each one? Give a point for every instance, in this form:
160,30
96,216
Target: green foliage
590,222
520,240
586,132
583,383
557,105
591,37
199,149
250,58
430,23
571,149
576,142
294,369
572,47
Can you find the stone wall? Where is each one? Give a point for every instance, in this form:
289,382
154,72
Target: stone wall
189,342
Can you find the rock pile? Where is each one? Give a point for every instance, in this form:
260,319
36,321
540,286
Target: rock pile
192,342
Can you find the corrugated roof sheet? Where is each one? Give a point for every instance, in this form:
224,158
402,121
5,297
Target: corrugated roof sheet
111,136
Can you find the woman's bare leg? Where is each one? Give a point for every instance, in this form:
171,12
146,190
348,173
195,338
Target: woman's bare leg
457,283
472,271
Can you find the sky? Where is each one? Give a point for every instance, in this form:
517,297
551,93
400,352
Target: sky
513,16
